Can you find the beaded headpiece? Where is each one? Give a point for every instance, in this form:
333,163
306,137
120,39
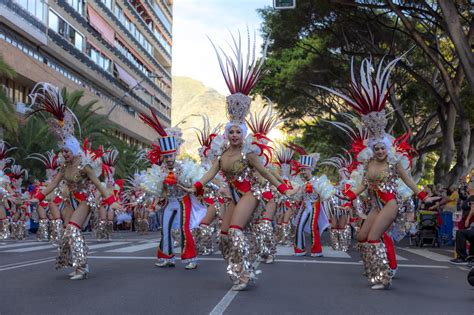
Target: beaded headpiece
241,74
46,97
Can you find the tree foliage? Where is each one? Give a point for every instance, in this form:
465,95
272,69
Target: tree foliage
8,118
34,136
431,93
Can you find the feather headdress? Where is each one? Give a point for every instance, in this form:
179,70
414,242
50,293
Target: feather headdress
241,74
261,123
109,160
50,160
205,137
284,158
47,98
307,160
167,138
4,150
368,95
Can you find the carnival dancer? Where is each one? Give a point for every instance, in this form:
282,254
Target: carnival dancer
20,209
260,124
340,211
48,230
105,226
285,163
385,169
204,233
6,193
168,181
238,158
311,217
76,179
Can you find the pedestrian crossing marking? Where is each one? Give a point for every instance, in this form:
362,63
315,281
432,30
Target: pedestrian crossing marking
427,254
401,258
134,248
29,249
327,252
104,245
19,245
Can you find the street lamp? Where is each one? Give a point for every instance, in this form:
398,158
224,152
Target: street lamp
133,88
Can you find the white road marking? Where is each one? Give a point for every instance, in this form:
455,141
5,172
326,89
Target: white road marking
27,264
134,248
427,254
103,245
224,303
24,262
29,249
20,245
400,258
304,261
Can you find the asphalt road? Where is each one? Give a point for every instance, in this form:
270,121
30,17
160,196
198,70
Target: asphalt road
124,280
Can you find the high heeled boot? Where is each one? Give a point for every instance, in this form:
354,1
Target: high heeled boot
43,230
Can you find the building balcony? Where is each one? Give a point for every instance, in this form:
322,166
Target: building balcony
81,20
83,59
167,55
24,22
111,16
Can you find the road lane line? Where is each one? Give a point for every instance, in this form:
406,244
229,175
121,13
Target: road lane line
27,264
224,303
103,245
29,249
20,245
24,262
400,258
427,254
327,252
134,248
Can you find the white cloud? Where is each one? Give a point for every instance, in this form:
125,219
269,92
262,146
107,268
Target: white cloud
194,20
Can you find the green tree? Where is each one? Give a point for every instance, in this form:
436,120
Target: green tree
8,117
314,44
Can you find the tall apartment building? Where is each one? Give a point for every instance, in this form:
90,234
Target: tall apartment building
117,51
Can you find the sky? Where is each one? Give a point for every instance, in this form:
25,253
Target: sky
195,20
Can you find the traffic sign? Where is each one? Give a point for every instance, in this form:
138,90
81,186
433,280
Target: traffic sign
284,4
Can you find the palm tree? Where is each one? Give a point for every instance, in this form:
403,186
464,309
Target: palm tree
8,116
95,127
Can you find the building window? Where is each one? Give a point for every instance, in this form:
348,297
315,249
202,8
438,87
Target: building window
37,8
108,3
99,58
128,54
163,19
63,28
78,5
162,41
133,29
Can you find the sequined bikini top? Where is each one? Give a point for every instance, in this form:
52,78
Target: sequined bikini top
384,181
239,171
76,182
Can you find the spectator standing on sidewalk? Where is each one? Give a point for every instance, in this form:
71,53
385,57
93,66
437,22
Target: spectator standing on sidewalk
467,234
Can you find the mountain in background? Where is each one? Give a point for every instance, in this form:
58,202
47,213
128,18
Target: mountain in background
192,97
